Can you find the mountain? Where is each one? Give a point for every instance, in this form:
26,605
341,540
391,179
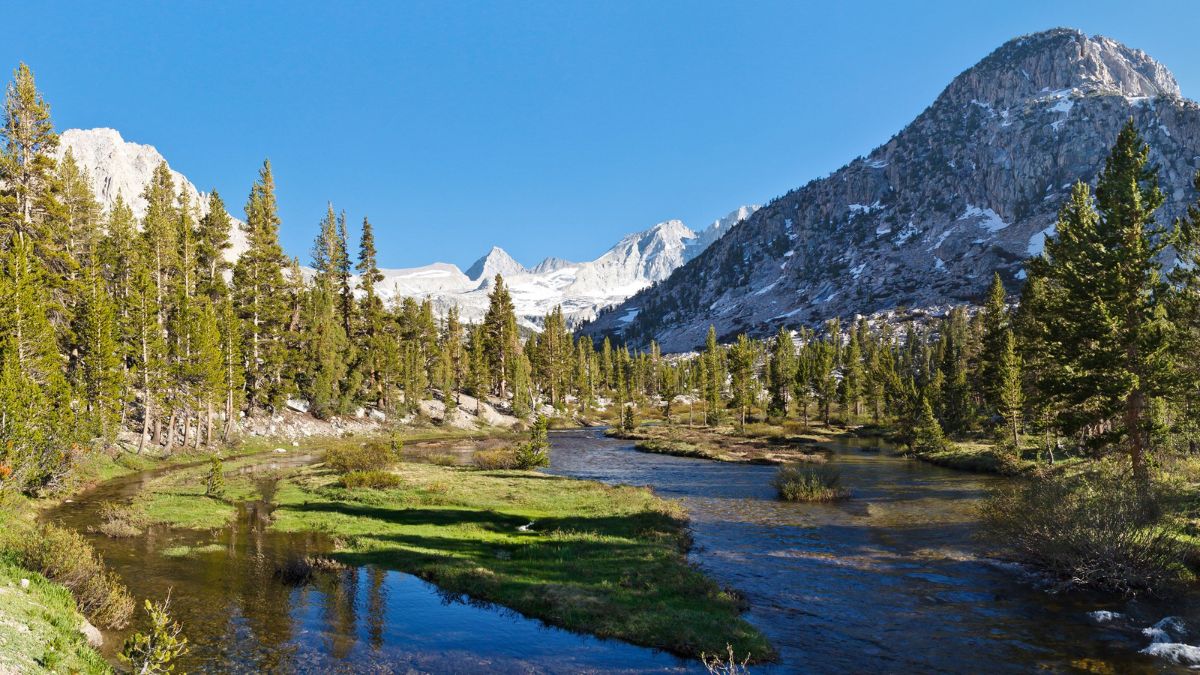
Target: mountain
497,261
117,166
582,289
970,187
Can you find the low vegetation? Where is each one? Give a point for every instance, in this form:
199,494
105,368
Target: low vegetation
64,557
810,483
1096,529
586,556
376,479
39,626
725,444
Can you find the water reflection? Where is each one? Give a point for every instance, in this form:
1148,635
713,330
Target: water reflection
889,581
240,618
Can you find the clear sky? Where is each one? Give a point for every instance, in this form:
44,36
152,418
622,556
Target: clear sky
547,128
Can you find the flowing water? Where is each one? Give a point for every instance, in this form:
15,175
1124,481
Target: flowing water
889,581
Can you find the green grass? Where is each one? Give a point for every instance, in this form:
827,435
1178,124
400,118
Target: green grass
177,498
39,627
605,560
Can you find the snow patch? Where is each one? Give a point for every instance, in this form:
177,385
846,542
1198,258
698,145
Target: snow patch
984,218
1037,243
905,233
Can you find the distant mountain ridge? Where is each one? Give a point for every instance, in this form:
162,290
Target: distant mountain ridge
636,261
972,186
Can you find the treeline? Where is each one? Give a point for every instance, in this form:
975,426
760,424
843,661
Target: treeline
1101,354
114,324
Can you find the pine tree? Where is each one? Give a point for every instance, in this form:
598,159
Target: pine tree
714,367
26,160
928,436
371,347
501,342
1010,395
742,357
100,365
259,297
1106,298
212,241
781,371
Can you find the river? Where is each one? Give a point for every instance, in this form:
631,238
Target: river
889,581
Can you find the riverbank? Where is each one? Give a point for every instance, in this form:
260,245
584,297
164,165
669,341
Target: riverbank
592,558
40,627
758,444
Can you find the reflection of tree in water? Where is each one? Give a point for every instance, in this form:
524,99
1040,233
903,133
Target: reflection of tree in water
340,604
376,606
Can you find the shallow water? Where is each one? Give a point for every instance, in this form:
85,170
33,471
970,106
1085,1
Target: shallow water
889,581
892,580
239,618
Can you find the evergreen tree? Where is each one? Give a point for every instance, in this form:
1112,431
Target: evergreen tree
1106,298
26,160
742,357
259,297
714,378
781,371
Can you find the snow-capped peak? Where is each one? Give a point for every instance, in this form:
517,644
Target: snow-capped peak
118,166
497,261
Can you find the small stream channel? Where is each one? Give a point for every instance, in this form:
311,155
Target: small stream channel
890,581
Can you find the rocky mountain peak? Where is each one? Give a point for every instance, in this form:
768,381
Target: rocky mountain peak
1059,60
970,188
496,261
117,166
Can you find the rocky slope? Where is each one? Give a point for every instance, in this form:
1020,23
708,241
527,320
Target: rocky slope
635,262
117,166
970,187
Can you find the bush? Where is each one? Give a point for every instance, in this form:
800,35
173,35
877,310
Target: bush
155,651
1100,530
297,570
536,452
214,481
120,521
498,458
66,558
369,457
379,480
810,483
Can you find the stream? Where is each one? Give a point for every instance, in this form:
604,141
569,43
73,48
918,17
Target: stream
891,580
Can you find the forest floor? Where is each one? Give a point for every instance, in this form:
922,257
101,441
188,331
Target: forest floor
610,561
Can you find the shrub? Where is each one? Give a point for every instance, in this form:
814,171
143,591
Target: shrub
296,570
66,558
156,650
377,479
119,521
536,452
214,481
369,457
810,483
1100,530
498,458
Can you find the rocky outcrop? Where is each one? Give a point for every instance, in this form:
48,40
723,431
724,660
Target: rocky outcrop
971,187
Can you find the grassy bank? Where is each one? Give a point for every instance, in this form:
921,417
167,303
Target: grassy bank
39,627
610,561
758,444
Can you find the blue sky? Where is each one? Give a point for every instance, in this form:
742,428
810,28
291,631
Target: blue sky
547,128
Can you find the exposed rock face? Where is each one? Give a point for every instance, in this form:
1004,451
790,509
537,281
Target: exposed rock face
582,288
117,166
971,187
